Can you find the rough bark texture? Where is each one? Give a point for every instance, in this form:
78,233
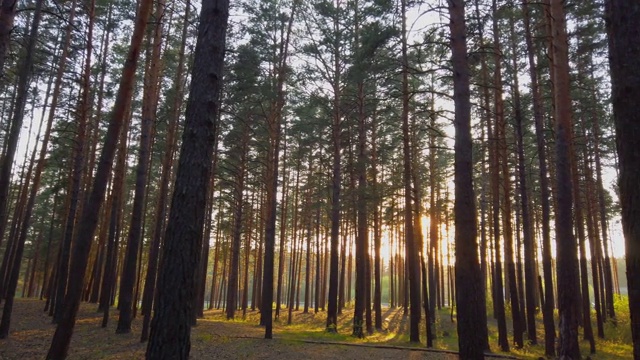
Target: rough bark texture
624,53
567,260
171,324
472,319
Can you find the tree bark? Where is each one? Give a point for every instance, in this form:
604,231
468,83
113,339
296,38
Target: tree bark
472,321
274,125
527,228
7,15
25,221
238,218
548,306
170,327
624,52
411,248
332,306
149,106
89,219
503,160
165,178
7,12
567,261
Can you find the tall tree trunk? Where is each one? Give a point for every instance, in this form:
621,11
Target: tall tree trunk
377,229
310,220
433,232
295,252
528,236
594,239
318,271
362,240
26,218
472,320
238,218
247,256
7,12
257,275
45,276
624,52
584,278
170,327
89,219
149,106
567,261
336,130
283,230
73,199
608,277
21,198
165,178
114,211
548,306
411,248
274,125
216,258
501,136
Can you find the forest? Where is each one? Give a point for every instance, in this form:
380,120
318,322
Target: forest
450,178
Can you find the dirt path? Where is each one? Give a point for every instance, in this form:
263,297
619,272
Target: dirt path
211,339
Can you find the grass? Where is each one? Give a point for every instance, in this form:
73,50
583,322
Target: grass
311,327
32,332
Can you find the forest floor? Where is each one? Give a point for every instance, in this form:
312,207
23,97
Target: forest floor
217,338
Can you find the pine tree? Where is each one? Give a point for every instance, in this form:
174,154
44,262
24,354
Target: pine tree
88,221
470,296
567,261
624,52
170,327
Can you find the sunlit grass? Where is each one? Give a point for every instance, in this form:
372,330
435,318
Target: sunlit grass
312,327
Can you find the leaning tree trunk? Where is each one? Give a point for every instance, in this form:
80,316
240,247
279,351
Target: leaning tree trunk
472,317
26,218
7,12
165,178
624,53
149,106
89,219
170,327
